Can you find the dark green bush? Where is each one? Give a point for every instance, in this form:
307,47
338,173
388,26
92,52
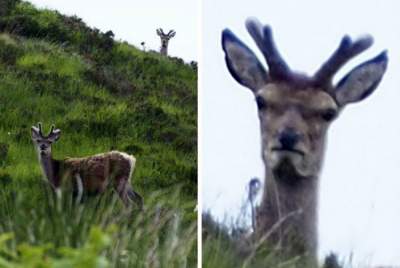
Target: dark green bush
193,65
9,53
5,178
3,152
7,6
106,77
23,25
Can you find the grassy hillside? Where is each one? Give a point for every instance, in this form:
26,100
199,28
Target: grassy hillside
103,95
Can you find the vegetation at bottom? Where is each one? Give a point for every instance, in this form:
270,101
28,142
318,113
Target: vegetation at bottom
104,95
226,246
100,232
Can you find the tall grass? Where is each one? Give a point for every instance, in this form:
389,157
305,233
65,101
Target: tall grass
159,236
234,245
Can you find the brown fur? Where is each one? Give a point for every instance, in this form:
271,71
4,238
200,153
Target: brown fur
91,175
99,171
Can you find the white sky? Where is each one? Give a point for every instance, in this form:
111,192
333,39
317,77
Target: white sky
136,21
360,182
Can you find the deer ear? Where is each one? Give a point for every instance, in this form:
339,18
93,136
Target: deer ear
54,135
242,63
362,80
35,132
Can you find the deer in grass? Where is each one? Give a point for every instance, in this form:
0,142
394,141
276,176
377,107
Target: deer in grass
165,40
295,112
92,174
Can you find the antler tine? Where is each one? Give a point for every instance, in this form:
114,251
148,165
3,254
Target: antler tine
40,129
51,130
345,52
263,37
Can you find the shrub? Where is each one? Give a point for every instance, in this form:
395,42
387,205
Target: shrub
5,178
3,152
6,7
9,52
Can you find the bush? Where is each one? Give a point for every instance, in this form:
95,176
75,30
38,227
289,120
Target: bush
23,25
7,6
107,78
193,65
25,255
3,153
5,178
8,54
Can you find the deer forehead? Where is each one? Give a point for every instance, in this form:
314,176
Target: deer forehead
307,98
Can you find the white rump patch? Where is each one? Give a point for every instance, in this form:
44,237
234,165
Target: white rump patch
132,161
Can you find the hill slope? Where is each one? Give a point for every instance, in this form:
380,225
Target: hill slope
103,95
116,97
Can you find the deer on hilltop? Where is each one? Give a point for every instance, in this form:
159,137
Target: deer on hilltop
165,40
295,112
92,174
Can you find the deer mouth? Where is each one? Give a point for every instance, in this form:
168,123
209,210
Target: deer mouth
287,151
43,153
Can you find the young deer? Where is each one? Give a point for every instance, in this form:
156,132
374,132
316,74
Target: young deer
164,40
92,174
295,112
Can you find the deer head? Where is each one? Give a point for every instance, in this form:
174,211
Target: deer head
296,110
165,37
43,143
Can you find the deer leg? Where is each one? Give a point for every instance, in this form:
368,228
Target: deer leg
134,196
128,195
121,188
79,188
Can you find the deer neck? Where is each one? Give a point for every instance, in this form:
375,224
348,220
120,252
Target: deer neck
163,50
289,209
164,47
50,168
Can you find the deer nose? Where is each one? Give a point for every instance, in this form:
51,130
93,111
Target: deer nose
43,147
288,139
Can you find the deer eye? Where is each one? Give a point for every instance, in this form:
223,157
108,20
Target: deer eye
37,141
261,103
329,114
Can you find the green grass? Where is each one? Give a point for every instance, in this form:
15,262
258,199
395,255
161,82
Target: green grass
60,231
103,95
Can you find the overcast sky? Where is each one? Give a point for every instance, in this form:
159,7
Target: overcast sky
360,182
136,21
